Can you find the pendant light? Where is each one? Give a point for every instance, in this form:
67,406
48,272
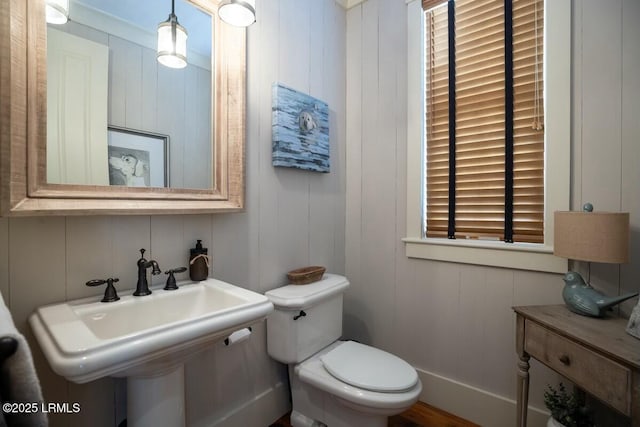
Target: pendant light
172,42
240,13
57,11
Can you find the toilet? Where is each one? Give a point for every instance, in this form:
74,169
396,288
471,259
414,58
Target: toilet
334,383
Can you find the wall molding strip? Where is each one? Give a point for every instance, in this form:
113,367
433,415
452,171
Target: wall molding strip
474,404
348,4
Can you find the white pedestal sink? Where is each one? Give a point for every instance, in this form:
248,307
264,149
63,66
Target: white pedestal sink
145,339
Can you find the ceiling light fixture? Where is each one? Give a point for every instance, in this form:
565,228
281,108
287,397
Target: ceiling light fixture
172,42
57,11
240,13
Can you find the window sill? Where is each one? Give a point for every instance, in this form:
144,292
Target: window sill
521,256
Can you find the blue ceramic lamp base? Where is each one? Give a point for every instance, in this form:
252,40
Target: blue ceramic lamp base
583,299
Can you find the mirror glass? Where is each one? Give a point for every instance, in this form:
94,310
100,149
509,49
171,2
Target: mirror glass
115,115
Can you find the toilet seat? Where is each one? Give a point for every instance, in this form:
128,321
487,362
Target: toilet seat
312,371
369,368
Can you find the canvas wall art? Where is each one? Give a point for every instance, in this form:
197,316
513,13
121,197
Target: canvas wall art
300,130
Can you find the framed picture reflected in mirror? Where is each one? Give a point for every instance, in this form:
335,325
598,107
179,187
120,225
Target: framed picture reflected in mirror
137,158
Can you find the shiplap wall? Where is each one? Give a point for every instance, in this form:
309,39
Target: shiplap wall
454,322
293,218
149,97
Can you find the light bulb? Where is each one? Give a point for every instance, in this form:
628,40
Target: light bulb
57,11
170,54
240,13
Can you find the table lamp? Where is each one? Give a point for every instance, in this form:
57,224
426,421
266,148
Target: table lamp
593,237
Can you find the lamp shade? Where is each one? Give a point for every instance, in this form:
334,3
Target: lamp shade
172,43
592,236
240,13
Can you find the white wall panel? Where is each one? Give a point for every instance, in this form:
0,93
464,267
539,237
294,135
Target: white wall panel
408,333
353,160
404,270
497,353
454,320
149,90
265,70
168,245
326,82
37,277
630,142
134,101
338,86
601,79
293,194
4,259
117,82
375,225
89,250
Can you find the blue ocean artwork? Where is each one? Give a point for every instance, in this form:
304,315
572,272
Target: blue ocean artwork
299,130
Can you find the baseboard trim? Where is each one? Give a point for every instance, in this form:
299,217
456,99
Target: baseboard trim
471,403
474,404
263,409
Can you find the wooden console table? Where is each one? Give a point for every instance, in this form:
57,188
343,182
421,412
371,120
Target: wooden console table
597,355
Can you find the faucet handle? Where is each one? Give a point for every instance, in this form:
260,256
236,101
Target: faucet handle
110,293
96,282
171,280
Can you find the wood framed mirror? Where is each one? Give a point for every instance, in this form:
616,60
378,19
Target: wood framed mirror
26,184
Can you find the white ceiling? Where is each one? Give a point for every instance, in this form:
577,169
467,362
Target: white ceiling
147,14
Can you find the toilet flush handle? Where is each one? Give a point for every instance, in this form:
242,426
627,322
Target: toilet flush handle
299,315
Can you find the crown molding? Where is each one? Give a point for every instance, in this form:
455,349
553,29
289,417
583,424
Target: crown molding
348,4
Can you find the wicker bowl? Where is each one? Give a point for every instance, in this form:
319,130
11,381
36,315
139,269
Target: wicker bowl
305,275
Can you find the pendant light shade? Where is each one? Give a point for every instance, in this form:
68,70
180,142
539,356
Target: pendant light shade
240,13
57,11
172,42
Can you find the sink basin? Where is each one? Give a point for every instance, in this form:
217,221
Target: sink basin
85,339
136,315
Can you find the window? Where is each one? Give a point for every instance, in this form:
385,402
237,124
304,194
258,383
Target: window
493,152
484,120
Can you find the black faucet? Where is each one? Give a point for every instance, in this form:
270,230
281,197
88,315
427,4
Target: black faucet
142,287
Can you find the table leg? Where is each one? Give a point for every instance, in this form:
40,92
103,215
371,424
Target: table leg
635,399
523,389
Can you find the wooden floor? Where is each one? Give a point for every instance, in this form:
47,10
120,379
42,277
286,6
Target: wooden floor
419,415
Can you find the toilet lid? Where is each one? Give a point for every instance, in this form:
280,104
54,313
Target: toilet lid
369,368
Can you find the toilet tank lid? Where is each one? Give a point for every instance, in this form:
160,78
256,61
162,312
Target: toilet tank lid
297,297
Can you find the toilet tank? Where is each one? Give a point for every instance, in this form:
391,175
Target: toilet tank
306,318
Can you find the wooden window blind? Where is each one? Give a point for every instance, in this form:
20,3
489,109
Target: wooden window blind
437,120
528,121
480,122
428,4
